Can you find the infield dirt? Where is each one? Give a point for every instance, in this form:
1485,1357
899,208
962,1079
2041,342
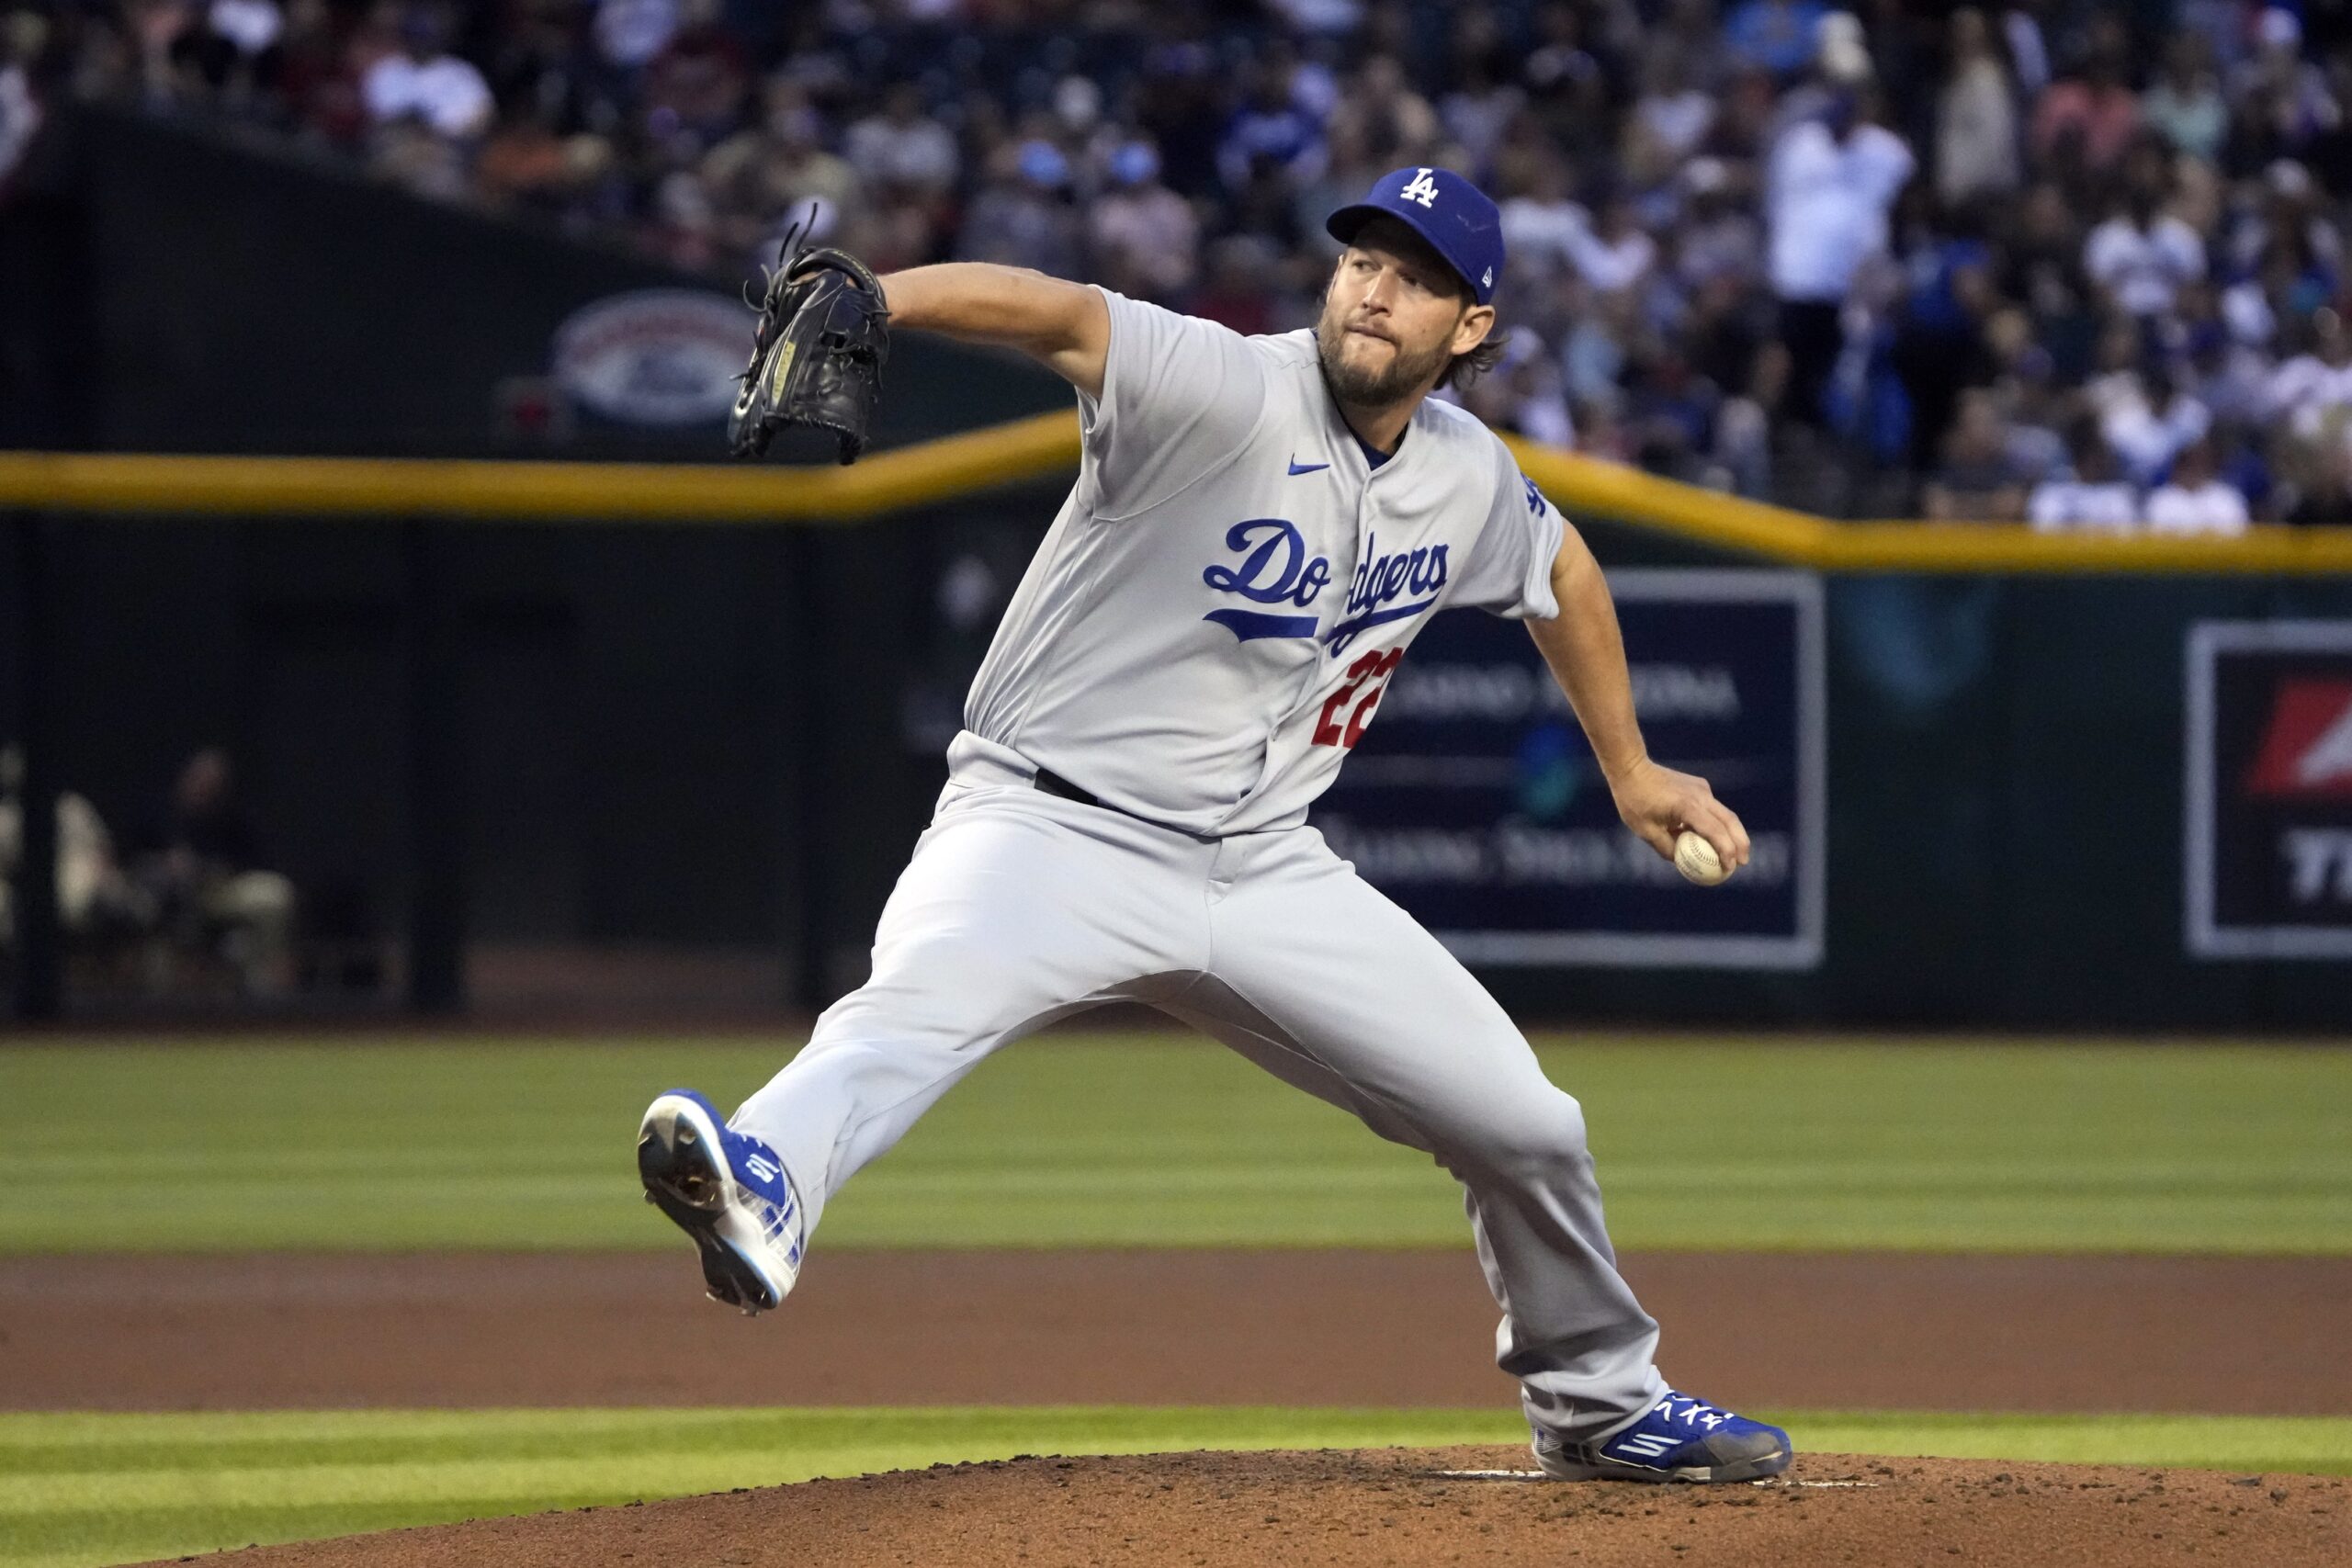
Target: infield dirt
1399,1506
1889,1331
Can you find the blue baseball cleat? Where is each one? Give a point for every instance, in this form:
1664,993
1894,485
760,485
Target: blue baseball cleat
728,1191
1679,1438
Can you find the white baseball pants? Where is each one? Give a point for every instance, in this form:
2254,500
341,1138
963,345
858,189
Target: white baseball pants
1021,907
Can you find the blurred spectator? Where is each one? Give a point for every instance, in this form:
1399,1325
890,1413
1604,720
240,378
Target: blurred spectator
1615,255
318,75
424,83
1485,96
1670,121
1145,238
1718,240
95,901
1939,346
1022,217
1525,393
1271,129
2284,101
2185,107
200,865
2091,497
903,145
2196,500
631,32
2145,416
1832,182
1776,36
2310,397
1240,289
694,89
1977,152
235,48
2324,499
1567,83
1975,482
1542,225
22,35
767,174
2088,116
2140,257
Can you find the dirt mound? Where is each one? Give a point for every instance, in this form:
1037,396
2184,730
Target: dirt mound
1400,1507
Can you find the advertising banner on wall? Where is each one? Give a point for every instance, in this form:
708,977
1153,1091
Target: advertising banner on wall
1475,803
2269,786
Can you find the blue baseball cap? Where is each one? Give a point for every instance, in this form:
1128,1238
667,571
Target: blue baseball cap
1454,216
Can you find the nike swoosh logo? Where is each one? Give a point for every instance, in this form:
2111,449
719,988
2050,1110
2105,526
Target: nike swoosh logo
1297,467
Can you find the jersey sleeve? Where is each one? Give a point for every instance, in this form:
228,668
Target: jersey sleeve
1510,569
1180,397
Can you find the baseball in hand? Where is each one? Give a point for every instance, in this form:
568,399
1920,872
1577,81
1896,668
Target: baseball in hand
1696,859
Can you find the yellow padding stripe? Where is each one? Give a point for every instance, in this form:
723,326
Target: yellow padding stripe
1610,490
544,492
1046,445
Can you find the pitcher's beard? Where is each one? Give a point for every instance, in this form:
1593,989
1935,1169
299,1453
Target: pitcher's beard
1407,373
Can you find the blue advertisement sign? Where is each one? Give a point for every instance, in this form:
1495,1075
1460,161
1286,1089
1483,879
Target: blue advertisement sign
1475,802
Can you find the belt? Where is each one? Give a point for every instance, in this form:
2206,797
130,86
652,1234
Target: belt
1053,782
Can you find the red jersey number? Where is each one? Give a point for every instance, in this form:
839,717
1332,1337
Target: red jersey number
1369,676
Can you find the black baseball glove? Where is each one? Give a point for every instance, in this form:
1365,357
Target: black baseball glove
818,357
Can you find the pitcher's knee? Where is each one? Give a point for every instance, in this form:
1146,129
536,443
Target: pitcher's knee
1539,1137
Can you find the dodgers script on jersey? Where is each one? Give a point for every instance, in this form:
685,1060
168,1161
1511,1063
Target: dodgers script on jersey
1207,628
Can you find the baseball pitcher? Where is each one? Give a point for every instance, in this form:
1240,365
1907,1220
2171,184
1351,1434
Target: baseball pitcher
1260,527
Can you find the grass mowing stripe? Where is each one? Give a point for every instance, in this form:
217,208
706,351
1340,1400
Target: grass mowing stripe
1142,1140
261,1485
82,1490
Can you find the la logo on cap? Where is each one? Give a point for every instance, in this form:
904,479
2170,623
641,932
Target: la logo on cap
1420,188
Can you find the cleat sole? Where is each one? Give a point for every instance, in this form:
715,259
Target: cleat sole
682,1180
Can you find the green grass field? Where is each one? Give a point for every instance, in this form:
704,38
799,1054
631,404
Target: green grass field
1140,1140
78,1490
1085,1140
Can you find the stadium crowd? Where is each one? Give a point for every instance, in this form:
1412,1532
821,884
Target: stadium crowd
2064,262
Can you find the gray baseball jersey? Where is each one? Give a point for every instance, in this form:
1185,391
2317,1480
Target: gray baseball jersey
1206,630
1200,639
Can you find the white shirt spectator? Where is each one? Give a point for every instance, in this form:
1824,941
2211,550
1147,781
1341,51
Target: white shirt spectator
2306,389
2246,312
20,115
2143,436
1976,133
1477,118
2143,268
2076,506
1828,202
1610,265
920,152
630,32
1677,122
446,93
1543,234
251,25
2212,507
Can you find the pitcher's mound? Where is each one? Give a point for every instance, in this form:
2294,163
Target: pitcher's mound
1409,1506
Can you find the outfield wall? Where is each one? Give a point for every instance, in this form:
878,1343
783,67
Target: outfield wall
729,736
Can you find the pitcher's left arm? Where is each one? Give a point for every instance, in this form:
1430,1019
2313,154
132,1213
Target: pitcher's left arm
1587,656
